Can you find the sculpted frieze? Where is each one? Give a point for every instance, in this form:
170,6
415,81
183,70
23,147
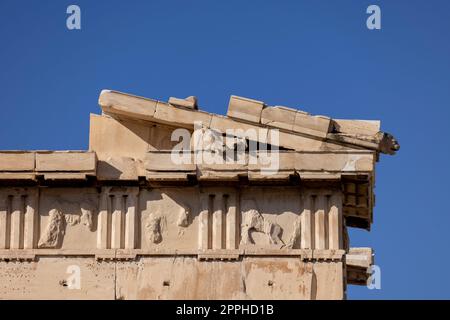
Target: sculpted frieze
65,214
254,221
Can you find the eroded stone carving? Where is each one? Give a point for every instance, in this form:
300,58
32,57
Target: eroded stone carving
295,236
254,221
184,217
154,226
58,221
53,234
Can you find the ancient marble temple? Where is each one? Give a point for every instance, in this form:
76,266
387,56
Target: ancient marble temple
123,220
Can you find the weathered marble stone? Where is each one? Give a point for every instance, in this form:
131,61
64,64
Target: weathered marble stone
124,220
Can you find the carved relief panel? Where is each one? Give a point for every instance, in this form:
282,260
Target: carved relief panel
67,218
292,218
169,217
268,216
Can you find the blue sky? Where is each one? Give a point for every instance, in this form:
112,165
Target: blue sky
314,55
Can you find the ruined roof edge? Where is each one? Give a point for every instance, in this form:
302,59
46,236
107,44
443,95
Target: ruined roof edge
361,133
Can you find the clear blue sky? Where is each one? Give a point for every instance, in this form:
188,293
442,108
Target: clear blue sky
314,55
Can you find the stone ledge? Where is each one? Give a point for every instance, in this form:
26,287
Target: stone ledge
245,113
358,263
132,254
19,165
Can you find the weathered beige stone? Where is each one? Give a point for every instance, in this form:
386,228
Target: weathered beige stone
312,125
127,105
107,136
357,127
280,117
360,257
358,262
189,102
165,113
320,222
295,141
17,161
139,225
120,168
245,109
162,161
66,161
341,162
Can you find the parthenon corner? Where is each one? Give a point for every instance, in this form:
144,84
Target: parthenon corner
172,202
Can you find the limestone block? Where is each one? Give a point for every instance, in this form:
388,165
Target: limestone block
273,278
165,278
208,161
169,218
17,176
203,222
245,109
240,129
66,218
320,222
366,142
103,241
274,208
167,176
295,141
335,222
232,221
280,160
278,116
312,125
4,236
66,161
189,102
357,127
118,222
17,161
306,221
110,137
326,273
328,254
119,168
30,231
359,257
319,176
218,222
52,278
166,113
162,161
326,161
16,216
251,278
127,105
280,177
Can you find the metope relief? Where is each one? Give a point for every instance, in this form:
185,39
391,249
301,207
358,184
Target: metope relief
156,224
63,215
167,219
253,221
